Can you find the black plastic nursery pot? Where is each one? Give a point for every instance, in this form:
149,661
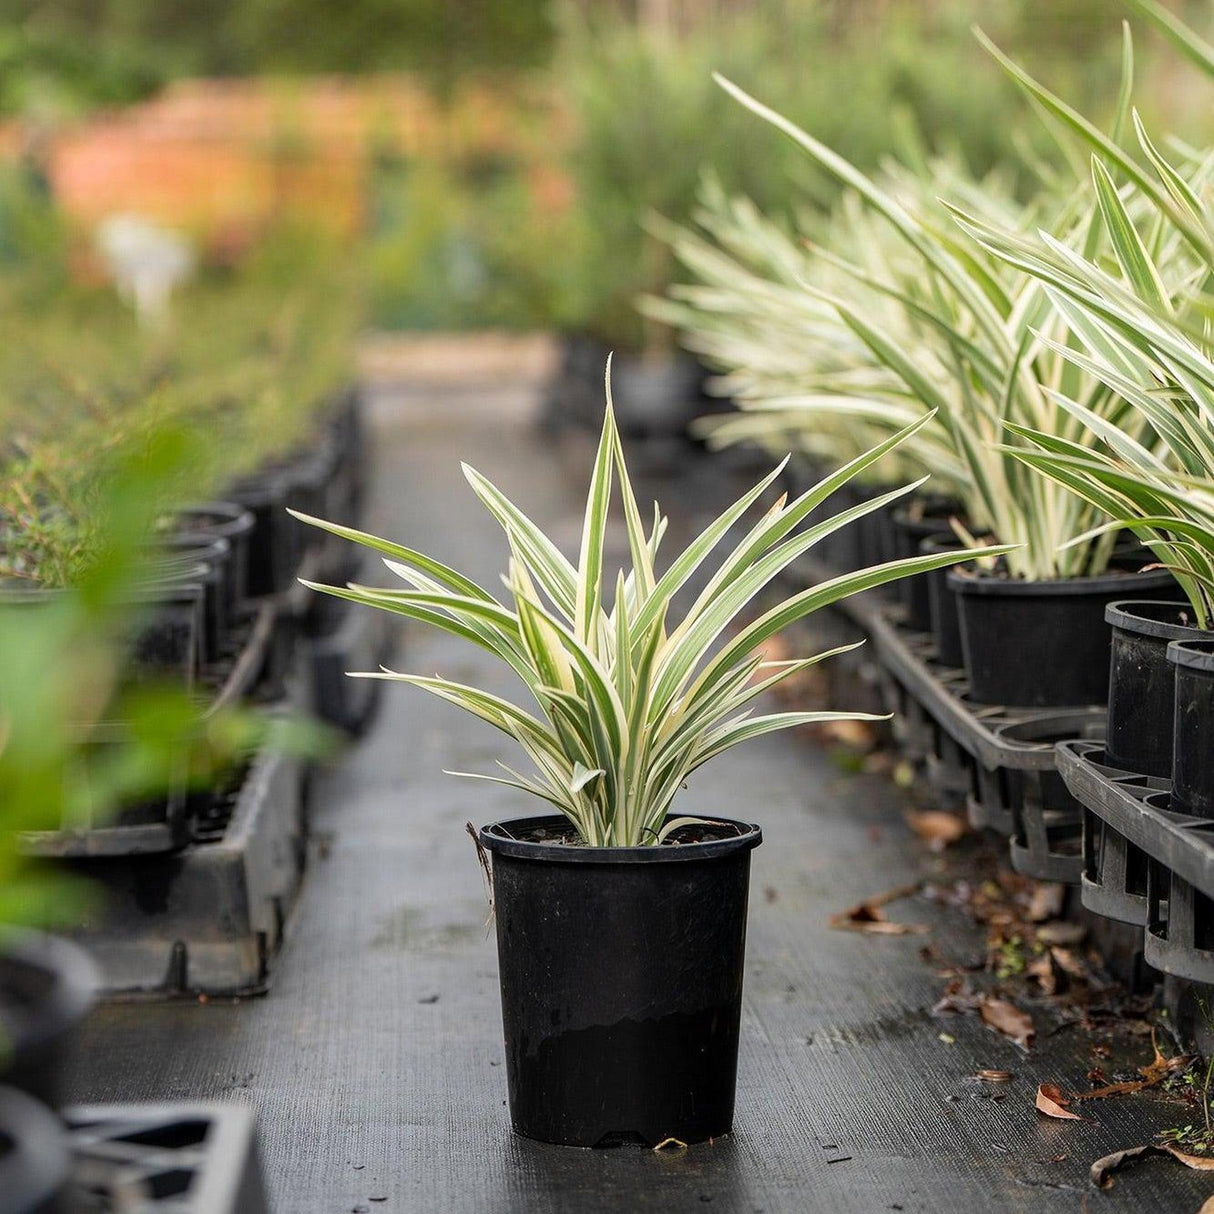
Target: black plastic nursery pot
1142,683
621,981
1043,644
227,521
655,395
1193,751
909,531
272,559
47,986
213,555
944,619
34,1157
167,639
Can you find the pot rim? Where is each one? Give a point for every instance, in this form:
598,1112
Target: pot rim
73,990
238,519
1132,616
207,549
978,582
750,836
1193,655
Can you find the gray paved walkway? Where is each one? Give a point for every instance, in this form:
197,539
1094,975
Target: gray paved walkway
374,1061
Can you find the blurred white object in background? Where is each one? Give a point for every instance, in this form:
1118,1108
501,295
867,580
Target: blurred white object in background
147,262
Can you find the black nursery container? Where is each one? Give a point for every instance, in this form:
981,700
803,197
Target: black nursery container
621,982
909,534
213,554
47,986
34,1157
1193,753
1142,683
231,522
943,614
1043,644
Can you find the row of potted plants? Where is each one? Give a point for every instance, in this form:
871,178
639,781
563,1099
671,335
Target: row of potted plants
1067,373
135,614
626,696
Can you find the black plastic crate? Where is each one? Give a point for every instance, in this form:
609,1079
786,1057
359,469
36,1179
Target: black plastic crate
1006,754
164,1159
1144,862
163,823
210,917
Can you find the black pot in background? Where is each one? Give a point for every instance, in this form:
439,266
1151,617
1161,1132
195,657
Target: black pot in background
1043,644
166,642
34,1158
864,542
621,981
656,397
943,617
1193,751
166,619
347,432
909,533
876,533
233,523
213,553
47,986
271,561
1142,683
839,551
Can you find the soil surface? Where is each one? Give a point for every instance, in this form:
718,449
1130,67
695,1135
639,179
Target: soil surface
885,1060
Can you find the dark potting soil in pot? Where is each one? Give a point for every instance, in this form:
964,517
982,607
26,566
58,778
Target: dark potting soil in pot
621,972
1043,644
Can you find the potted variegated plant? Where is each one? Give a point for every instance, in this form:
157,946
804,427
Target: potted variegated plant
621,927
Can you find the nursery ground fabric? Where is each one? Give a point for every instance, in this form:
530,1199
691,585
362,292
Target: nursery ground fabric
375,1060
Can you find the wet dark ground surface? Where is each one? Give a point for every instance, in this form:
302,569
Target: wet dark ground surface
375,1060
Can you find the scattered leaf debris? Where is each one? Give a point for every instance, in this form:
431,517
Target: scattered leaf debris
1052,1102
1008,1019
868,916
936,827
1046,902
1101,1171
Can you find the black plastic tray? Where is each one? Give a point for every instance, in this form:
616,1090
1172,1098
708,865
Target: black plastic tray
183,1158
165,824
1145,863
211,917
1006,755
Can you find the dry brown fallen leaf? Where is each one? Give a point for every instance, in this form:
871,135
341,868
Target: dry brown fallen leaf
937,828
1069,962
1046,902
1061,932
867,916
1157,1069
1042,970
1101,1171
1008,1019
1207,1206
1199,1163
1052,1102
857,734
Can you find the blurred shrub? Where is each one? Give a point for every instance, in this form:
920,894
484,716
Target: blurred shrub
649,117
246,358
76,54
